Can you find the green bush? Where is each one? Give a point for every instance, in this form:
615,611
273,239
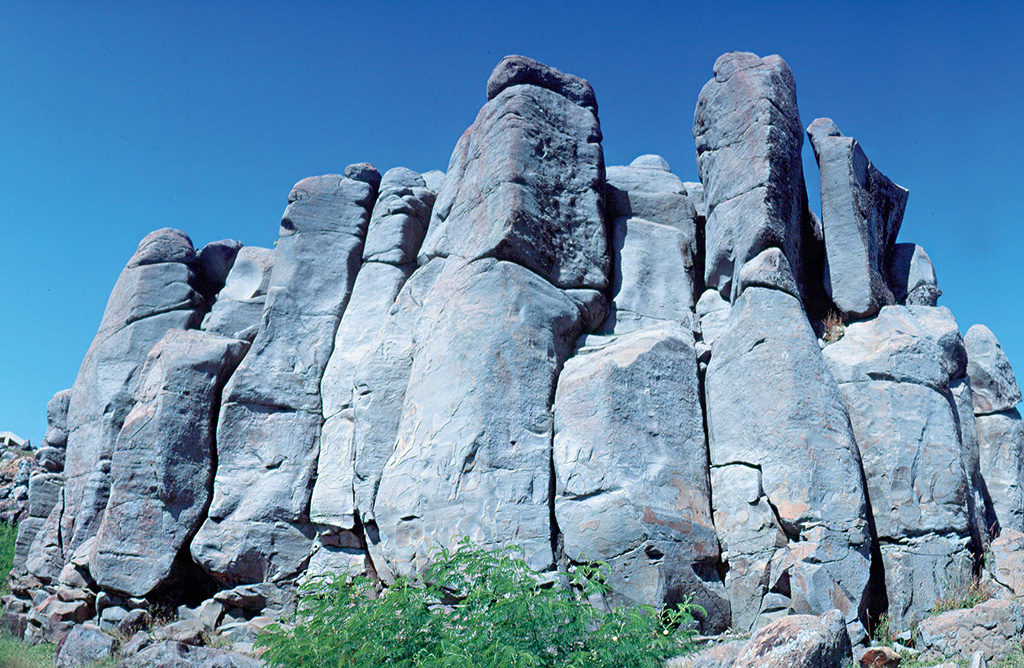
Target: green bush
474,609
8,536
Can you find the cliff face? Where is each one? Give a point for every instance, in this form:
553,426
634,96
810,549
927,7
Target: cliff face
701,384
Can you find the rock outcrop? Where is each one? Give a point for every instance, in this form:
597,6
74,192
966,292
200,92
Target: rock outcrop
702,385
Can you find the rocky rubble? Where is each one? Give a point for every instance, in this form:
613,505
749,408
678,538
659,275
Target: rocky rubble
593,363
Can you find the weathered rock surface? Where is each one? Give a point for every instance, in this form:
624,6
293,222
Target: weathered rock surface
797,531
525,185
238,308
268,432
399,219
85,645
992,627
162,465
155,293
170,654
992,381
631,479
1001,448
473,458
912,276
1005,561
518,70
861,214
748,134
799,641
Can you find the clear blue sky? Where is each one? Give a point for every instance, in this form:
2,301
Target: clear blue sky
120,118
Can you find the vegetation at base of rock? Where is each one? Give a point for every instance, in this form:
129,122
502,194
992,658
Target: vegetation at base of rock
15,654
833,327
963,594
8,536
476,609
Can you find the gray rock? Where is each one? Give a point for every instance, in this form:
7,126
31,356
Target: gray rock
525,185
170,654
51,459
133,622
713,313
28,528
433,179
993,628
748,134
214,265
651,161
380,384
819,512
799,641
921,570
137,642
155,293
769,269
400,217
473,458
162,465
376,288
912,276
1001,448
695,191
57,422
269,427
980,509
43,492
861,213
654,195
85,645
188,631
239,306
364,172
992,380
652,280
630,467
915,344
518,70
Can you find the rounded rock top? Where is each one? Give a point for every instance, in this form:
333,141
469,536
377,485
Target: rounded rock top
515,70
651,161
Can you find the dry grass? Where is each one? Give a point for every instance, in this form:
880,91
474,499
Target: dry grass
832,327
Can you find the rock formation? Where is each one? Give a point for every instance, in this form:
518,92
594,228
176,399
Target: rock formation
594,364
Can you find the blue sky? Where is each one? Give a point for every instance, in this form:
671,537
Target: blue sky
120,118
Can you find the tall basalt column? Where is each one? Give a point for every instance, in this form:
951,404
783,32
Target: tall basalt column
268,433
748,134
155,293
861,213
520,225
393,238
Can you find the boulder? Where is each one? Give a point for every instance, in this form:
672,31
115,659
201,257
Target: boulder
769,269
749,136
162,465
981,511
188,631
992,381
799,641
57,421
713,313
171,654
85,645
800,532
993,628
268,431
1005,561
473,458
861,214
912,276
631,484
1001,451
525,183
519,70
214,265
433,179
652,194
721,655
238,308
155,293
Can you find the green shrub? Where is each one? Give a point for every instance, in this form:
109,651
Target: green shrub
8,536
474,609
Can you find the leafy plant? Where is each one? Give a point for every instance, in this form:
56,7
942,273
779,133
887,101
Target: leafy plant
474,609
8,536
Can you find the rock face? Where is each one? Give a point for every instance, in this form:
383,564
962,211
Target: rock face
155,293
593,365
525,181
631,478
992,627
748,134
162,467
861,214
798,537
268,431
894,371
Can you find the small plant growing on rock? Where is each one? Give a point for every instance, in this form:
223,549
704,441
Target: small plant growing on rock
474,609
832,327
962,591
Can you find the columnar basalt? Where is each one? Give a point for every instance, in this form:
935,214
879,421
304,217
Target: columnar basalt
594,364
